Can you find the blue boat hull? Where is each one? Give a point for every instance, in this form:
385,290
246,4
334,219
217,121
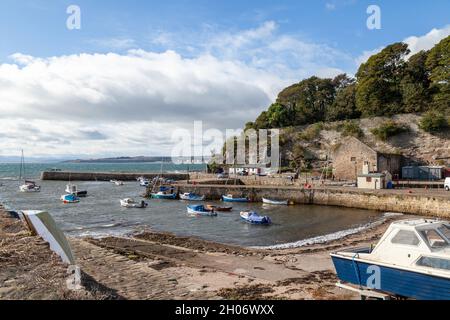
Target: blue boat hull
262,223
172,196
226,199
397,282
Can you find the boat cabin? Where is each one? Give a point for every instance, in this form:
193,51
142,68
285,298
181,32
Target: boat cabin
421,244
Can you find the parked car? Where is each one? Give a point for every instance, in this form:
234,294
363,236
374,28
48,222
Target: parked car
447,184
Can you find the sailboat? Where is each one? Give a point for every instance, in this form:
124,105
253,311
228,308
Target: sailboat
28,186
161,189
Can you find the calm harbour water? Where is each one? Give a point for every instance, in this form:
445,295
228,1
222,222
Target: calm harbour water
101,214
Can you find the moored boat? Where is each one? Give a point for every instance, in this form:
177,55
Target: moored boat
70,198
412,260
73,189
254,218
200,210
29,186
191,197
117,182
231,198
218,208
275,202
131,203
164,195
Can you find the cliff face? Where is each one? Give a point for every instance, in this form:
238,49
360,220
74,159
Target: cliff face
318,142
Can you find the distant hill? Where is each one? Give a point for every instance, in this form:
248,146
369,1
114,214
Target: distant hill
139,159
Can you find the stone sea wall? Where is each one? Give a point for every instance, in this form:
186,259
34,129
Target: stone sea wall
104,176
426,205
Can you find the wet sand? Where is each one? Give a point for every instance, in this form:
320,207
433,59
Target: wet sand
153,265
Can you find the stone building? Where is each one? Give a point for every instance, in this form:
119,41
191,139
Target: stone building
352,155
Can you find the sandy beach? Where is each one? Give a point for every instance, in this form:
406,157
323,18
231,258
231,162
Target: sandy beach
153,265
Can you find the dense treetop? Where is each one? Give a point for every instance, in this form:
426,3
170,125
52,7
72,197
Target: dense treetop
388,83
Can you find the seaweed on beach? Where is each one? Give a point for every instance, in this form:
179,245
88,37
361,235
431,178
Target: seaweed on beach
248,292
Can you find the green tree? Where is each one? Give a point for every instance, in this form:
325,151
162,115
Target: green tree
438,66
279,116
378,82
262,122
308,100
344,105
415,85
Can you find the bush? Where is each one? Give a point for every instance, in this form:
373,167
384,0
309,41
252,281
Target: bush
433,122
312,132
388,129
351,128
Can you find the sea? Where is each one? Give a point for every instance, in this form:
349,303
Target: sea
100,214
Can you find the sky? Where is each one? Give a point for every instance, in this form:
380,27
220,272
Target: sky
137,74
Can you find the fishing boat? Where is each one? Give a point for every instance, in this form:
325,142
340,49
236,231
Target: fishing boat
164,195
28,186
231,198
218,208
275,202
200,210
254,218
70,198
191,197
412,260
130,203
73,189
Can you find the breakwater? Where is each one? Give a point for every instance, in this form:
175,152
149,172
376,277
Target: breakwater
426,203
105,176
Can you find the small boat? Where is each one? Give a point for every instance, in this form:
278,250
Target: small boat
30,186
412,260
70,198
73,189
144,183
254,218
275,202
218,208
191,197
164,195
199,210
231,198
130,203
117,182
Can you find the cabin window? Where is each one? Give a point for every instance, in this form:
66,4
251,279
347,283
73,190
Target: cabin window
445,230
434,239
406,237
436,263
353,159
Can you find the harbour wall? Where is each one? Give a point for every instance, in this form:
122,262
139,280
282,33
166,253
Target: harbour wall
380,200
105,176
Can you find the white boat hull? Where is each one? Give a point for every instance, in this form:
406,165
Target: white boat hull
276,203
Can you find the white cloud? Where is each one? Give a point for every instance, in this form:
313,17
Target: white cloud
130,103
427,41
415,44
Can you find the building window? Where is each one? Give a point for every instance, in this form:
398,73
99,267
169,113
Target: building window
368,179
353,159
